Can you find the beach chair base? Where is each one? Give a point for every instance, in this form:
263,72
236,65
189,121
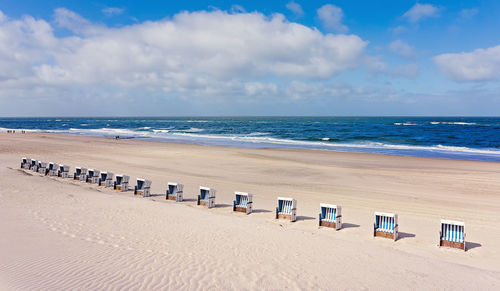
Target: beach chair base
328,224
385,235
63,175
143,193
119,188
285,216
452,244
240,209
209,204
176,198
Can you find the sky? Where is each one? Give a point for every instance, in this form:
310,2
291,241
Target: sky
220,58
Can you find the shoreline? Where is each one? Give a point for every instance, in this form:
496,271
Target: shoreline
166,234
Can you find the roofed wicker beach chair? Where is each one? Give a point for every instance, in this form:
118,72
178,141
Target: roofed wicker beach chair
330,216
106,179
63,171
206,197
42,167
143,187
34,165
121,182
53,169
24,162
80,174
243,202
287,209
386,225
452,234
175,192
93,176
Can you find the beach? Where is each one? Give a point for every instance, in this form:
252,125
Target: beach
60,234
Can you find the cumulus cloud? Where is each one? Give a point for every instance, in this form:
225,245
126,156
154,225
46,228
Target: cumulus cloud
478,65
200,55
295,8
401,48
421,11
112,11
331,17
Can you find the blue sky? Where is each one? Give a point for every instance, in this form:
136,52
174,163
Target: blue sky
94,58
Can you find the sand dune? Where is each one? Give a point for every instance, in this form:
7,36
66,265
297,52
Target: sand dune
65,235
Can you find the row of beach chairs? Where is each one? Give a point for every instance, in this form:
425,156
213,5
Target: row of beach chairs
451,234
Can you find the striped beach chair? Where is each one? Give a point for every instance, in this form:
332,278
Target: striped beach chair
80,174
330,216
143,187
386,225
24,162
287,209
452,234
63,171
243,202
175,192
52,170
206,197
93,176
34,165
106,179
42,167
121,182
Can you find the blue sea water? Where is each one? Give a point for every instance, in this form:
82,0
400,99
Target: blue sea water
470,138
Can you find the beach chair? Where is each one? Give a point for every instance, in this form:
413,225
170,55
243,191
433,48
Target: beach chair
287,209
42,167
53,169
93,176
143,188
386,225
34,165
106,179
63,171
80,174
24,162
206,197
121,182
174,192
330,216
452,234
243,202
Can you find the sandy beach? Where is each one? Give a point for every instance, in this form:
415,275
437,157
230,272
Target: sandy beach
60,234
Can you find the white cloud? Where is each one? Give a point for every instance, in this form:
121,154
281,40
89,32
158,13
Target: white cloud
468,13
478,65
295,8
201,55
112,11
331,17
401,48
421,11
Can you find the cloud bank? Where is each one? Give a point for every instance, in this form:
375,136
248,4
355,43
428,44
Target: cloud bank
421,11
478,65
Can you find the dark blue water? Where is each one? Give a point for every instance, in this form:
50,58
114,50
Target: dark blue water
446,137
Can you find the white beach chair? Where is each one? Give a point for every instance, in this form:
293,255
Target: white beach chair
386,225
143,187
287,209
42,167
243,202
121,182
206,197
106,179
24,161
63,171
175,192
330,216
80,174
53,169
93,176
452,234
34,165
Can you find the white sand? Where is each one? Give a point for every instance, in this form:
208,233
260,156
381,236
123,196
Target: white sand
65,235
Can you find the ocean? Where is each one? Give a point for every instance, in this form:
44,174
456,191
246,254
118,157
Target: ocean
469,138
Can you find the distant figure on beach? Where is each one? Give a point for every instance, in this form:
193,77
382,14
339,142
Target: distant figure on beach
117,137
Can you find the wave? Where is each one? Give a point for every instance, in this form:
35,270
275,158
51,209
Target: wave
263,140
452,123
404,123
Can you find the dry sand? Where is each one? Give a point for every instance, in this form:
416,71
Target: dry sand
60,234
